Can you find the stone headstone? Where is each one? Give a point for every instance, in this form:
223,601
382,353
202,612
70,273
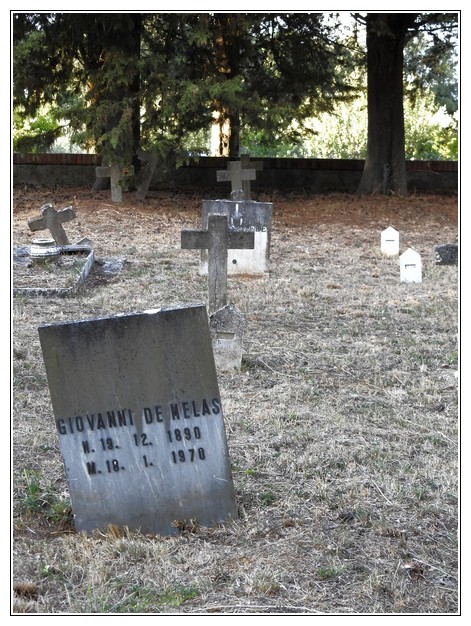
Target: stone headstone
115,173
139,420
227,329
52,220
217,238
247,215
446,254
236,175
410,266
390,241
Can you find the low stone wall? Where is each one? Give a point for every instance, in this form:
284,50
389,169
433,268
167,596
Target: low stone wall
316,175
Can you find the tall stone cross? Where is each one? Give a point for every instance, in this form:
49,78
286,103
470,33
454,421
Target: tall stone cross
246,164
217,240
236,175
52,220
115,173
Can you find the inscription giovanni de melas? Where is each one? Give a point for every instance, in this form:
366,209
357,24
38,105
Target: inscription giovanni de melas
178,429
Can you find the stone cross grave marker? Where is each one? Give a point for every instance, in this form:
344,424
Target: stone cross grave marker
247,164
390,241
410,266
246,215
115,173
52,220
236,175
139,420
217,239
149,161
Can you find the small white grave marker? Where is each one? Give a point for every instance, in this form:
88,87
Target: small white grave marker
390,241
411,267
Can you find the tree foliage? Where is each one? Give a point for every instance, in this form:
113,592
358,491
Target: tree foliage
256,70
129,81
387,35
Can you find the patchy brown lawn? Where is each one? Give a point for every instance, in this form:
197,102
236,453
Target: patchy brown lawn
342,424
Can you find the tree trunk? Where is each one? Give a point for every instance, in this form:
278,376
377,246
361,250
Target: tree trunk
385,167
135,89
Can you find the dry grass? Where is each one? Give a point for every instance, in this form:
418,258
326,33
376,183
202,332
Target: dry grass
342,424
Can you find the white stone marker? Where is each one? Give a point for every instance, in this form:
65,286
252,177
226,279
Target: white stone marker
390,241
411,266
139,420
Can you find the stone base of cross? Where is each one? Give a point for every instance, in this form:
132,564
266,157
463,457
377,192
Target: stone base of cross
217,239
115,173
52,221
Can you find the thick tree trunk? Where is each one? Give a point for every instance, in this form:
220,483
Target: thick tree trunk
385,168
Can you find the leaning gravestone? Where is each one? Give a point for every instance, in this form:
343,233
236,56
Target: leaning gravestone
139,420
52,221
245,215
410,266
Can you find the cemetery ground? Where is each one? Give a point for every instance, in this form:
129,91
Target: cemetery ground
342,424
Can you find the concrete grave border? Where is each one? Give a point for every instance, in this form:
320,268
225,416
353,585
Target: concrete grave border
62,291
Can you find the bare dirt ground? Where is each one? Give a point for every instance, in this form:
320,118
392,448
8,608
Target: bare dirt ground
342,424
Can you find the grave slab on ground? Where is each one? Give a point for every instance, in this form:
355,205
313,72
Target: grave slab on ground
51,270
139,420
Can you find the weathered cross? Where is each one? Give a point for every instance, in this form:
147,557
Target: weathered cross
246,164
52,220
115,173
217,239
149,161
236,175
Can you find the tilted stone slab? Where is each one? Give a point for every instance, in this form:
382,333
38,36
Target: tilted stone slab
139,419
